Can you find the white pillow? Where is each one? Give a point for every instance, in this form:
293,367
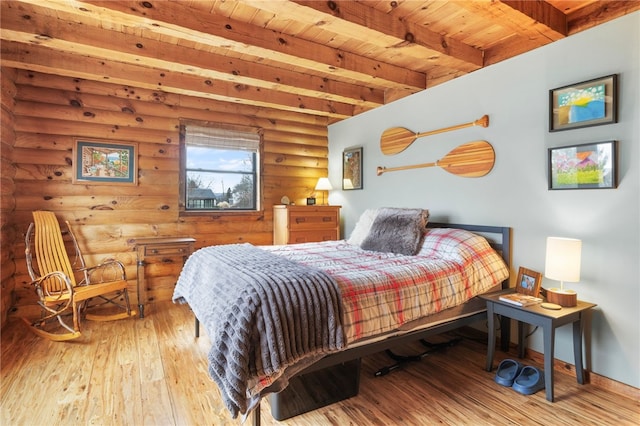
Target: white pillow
361,230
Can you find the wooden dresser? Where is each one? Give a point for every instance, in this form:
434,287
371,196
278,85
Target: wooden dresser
305,224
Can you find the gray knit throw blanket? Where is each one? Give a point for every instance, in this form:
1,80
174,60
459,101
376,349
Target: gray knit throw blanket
264,314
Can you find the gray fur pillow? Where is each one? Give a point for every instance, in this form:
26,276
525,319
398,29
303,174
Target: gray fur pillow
397,231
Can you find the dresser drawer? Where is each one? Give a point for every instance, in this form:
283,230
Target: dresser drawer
312,236
312,220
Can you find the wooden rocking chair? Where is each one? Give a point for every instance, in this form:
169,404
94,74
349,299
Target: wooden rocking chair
61,293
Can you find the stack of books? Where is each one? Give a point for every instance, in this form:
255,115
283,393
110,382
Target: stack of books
520,299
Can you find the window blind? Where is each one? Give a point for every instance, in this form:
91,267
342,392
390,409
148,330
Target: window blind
221,138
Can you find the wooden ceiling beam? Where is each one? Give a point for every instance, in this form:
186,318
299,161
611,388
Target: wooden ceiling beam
440,50
177,19
108,44
46,60
505,13
508,48
542,13
598,13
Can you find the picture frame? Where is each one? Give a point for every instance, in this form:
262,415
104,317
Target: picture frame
528,282
588,103
105,162
352,168
584,166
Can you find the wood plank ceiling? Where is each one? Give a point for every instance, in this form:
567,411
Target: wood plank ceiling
328,58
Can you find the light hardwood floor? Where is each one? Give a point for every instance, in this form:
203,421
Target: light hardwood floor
153,371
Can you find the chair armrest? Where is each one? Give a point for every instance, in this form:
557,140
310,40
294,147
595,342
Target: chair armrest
109,270
53,284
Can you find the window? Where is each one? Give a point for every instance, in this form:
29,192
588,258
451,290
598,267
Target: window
220,169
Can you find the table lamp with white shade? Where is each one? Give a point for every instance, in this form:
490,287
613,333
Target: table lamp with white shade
562,264
323,185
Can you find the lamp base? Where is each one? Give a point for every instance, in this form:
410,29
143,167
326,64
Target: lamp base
565,298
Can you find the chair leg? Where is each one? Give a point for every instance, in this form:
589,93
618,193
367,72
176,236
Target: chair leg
76,316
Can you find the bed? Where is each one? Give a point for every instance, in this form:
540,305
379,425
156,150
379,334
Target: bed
276,314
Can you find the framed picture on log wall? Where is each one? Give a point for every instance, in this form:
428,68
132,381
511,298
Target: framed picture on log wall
352,168
102,162
589,103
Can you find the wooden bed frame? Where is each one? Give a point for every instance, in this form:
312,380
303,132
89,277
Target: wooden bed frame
500,240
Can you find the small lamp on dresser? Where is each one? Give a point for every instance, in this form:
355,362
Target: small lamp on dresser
562,263
323,185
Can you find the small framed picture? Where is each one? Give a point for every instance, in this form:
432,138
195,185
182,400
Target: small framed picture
352,168
584,166
528,282
589,103
311,201
101,162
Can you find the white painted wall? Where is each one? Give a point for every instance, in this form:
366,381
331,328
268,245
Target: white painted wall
514,94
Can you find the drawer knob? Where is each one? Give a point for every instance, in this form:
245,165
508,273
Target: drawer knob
300,219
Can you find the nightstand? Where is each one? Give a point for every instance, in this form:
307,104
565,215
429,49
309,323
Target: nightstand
157,248
305,224
548,320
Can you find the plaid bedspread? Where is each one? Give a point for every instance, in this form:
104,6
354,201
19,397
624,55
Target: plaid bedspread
383,291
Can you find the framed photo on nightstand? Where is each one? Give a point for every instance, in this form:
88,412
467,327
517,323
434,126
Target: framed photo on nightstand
528,282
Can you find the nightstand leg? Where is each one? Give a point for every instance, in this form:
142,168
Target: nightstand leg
505,333
491,344
577,350
549,340
521,339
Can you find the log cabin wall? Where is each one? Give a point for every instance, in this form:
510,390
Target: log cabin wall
8,232
52,111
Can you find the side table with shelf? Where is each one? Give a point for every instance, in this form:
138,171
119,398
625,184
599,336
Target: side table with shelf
548,320
160,247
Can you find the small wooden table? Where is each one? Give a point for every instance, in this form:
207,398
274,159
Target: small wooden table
548,320
157,247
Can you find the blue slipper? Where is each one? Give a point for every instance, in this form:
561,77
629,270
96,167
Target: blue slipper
507,372
530,381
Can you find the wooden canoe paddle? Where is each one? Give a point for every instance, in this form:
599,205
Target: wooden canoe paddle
473,159
397,139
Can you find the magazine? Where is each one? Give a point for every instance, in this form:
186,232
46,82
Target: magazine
520,299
